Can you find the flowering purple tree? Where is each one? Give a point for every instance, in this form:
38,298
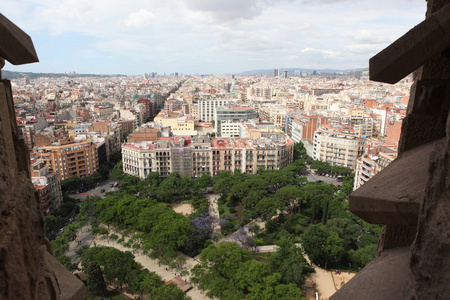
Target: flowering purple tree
244,238
201,234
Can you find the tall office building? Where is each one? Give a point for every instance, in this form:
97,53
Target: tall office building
276,72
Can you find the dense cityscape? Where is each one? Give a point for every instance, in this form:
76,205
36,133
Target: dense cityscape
235,163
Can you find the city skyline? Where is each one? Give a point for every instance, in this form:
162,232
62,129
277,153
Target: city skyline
208,37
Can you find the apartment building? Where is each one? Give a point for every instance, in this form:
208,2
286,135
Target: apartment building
338,146
228,120
259,91
275,114
72,159
200,155
103,111
47,185
304,126
206,108
167,155
144,134
173,105
149,105
375,159
248,155
179,123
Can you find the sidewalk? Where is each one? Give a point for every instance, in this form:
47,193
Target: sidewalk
152,265
85,236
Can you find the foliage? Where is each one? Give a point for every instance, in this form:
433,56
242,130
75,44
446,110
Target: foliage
322,245
169,292
200,236
363,256
229,272
95,284
67,262
50,223
113,264
290,263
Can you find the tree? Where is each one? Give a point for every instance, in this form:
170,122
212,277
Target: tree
169,292
290,263
250,275
347,230
205,181
218,265
200,235
363,256
91,180
95,283
88,206
268,207
67,262
150,281
71,183
287,292
50,222
168,234
277,179
299,151
291,195
117,172
314,240
334,248
169,187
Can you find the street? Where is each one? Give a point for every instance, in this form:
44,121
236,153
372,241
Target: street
313,178
106,185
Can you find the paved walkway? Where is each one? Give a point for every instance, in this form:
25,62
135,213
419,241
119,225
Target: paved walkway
213,211
84,235
327,283
153,266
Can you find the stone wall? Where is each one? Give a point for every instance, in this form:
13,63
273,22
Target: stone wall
27,268
413,259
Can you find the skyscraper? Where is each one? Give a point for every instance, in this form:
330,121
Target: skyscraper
276,72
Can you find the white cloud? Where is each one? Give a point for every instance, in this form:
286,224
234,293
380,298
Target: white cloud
370,49
217,35
139,19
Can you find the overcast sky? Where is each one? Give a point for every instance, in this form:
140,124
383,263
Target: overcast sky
208,36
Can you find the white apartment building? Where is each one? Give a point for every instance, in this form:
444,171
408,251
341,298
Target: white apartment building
375,159
338,146
230,128
204,156
206,108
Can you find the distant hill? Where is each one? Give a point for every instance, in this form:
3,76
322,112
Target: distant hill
292,71
16,75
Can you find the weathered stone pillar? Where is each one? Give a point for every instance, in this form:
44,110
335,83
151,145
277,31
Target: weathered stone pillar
28,269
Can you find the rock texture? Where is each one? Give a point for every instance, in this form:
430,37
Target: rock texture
430,252
421,249
27,268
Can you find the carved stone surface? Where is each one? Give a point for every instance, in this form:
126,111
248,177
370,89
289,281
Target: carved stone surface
422,43
394,236
430,252
15,45
394,195
27,269
384,278
426,272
